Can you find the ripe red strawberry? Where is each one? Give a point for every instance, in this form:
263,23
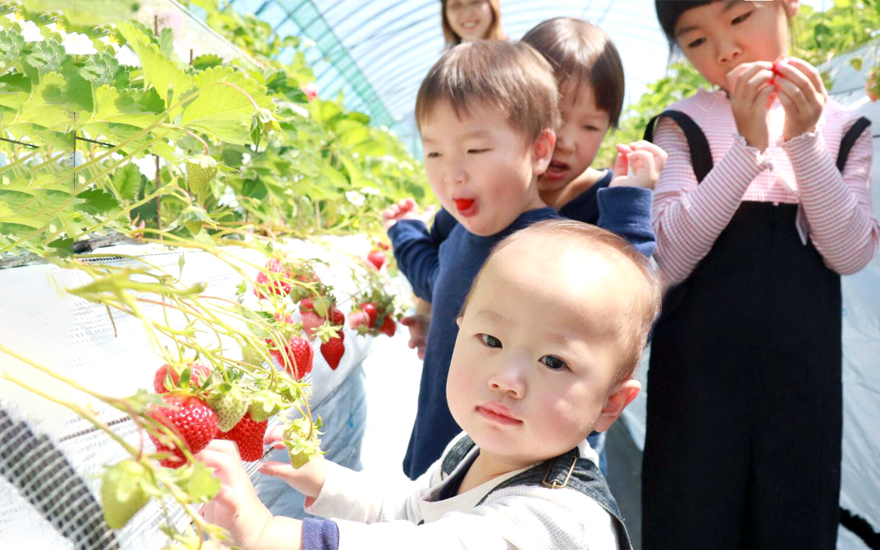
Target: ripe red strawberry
248,435
199,373
377,258
307,304
280,288
299,354
370,309
388,326
337,318
310,322
333,350
191,418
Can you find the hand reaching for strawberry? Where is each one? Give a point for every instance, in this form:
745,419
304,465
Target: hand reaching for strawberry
307,479
644,159
418,324
405,209
236,508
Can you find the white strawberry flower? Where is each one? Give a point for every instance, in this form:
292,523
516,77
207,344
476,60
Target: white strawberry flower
370,191
54,28
31,32
355,198
78,44
126,56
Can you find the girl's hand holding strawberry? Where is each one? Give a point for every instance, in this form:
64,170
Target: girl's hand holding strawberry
749,87
646,161
802,94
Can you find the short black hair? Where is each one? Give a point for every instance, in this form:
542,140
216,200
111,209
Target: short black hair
668,12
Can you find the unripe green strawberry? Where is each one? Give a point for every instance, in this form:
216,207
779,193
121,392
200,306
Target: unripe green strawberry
264,405
200,170
122,492
302,441
230,407
251,356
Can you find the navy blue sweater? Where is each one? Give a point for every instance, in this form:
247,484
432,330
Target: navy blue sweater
446,273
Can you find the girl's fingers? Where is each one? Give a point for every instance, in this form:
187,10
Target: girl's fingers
796,77
791,95
811,72
740,75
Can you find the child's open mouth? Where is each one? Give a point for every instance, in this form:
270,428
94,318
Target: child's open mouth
466,207
557,170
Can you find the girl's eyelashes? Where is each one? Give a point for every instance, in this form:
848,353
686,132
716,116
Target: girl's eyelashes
433,155
696,43
741,18
591,128
553,363
490,341
476,151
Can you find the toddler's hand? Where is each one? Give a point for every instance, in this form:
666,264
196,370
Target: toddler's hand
802,94
406,209
646,161
236,508
308,479
750,86
418,332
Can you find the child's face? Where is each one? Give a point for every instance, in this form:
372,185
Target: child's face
719,36
469,19
583,127
483,171
537,353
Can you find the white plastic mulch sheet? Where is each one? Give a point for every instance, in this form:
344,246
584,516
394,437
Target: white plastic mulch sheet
62,453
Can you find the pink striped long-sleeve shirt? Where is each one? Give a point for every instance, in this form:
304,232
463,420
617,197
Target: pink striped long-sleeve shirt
835,209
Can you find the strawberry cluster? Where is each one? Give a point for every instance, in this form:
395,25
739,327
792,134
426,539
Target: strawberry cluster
199,406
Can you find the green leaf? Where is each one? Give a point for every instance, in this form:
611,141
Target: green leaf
127,181
63,247
100,68
47,56
11,45
206,61
169,80
856,63
96,201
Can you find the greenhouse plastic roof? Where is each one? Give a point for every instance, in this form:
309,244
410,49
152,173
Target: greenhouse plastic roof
376,52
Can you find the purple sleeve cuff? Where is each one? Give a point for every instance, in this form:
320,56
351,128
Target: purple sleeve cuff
320,534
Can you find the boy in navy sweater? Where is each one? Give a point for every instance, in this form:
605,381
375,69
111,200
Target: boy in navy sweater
487,112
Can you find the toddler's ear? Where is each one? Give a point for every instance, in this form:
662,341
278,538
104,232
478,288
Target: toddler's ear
542,151
620,396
